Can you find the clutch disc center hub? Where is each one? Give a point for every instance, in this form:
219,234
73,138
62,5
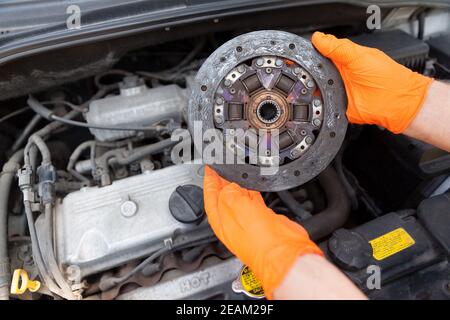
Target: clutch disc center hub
267,110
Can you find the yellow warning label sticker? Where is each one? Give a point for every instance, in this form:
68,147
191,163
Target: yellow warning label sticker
250,283
391,243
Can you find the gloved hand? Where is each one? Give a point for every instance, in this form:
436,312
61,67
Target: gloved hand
265,241
379,90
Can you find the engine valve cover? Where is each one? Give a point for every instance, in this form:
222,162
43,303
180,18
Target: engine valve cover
100,228
271,84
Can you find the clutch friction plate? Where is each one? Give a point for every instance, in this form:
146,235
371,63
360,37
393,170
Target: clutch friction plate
271,84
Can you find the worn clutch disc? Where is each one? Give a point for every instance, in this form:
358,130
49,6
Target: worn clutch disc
271,84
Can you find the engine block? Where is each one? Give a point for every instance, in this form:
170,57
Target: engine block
99,228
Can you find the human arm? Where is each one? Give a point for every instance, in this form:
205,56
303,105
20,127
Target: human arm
432,122
380,91
312,277
275,248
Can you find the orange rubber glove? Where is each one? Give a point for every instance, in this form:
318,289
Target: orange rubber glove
380,91
266,242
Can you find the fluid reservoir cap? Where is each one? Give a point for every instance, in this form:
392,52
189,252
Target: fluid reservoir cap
186,204
131,82
350,250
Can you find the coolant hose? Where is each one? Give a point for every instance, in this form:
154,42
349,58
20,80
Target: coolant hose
293,205
338,207
145,151
6,178
121,159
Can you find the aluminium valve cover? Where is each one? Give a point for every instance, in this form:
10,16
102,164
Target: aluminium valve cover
97,229
271,84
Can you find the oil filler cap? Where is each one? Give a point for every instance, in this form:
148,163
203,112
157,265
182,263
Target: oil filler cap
186,204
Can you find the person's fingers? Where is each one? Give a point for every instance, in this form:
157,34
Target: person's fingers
211,182
211,190
210,173
239,203
213,186
293,227
256,196
234,188
341,51
232,198
213,174
254,233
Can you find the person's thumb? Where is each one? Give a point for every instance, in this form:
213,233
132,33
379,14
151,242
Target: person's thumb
341,51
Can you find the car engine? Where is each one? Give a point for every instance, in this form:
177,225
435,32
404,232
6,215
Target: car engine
102,182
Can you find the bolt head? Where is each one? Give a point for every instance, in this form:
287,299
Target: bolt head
219,120
295,153
317,103
310,84
73,272
308,139
219,100
241,69
259,62
279,62
227,82
128,208
297,70
317,122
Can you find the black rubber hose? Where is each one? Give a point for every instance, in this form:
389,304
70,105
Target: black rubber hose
48,114
121,159
336,214
293,205
50,255
6,179
145,151
64,290
37,254
37,141
26,132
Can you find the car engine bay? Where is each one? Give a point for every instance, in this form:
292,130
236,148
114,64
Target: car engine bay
95,207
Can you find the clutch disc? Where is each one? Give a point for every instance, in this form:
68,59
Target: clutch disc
271,86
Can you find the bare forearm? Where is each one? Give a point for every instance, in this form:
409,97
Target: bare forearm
432,122
312,277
